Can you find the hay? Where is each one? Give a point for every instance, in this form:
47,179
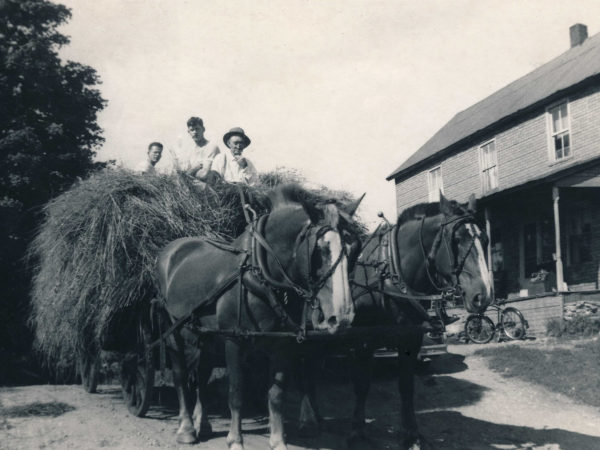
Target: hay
96,248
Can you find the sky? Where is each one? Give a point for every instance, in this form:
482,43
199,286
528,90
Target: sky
343,91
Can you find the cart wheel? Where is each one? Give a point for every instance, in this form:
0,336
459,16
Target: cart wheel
137,375
479,329
513,323
89,367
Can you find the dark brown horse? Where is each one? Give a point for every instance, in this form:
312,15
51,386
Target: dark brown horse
433,249
288,271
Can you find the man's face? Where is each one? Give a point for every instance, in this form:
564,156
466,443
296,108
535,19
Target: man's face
154,154
196,132
236,144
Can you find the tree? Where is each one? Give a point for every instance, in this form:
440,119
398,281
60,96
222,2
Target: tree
48,133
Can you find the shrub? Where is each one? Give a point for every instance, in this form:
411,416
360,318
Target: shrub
577,326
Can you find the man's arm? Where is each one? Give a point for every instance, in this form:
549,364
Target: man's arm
206,165
250,173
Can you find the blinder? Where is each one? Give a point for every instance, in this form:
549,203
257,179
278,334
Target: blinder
455,289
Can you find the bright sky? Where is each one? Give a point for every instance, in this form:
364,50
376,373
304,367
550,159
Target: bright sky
343,91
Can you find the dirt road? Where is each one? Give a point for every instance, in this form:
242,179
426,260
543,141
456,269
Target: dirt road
461,405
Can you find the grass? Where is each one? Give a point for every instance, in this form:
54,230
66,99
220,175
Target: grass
570,371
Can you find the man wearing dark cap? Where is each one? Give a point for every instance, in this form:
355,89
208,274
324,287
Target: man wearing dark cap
231,165
196,159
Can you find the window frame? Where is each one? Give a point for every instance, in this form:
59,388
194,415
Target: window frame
550,131
429,184
483,170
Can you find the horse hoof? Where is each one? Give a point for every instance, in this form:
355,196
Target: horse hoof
280,446
186,437
235,446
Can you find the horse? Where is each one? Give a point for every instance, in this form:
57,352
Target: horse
433,249
288,268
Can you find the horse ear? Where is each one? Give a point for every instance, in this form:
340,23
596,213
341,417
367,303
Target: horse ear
445,205
472,204
352,207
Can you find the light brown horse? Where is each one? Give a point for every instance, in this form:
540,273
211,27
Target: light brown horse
434,248
288,271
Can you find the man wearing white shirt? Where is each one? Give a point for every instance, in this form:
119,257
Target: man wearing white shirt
231,165
154,153
197,160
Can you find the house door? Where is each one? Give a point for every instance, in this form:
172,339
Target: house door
530,249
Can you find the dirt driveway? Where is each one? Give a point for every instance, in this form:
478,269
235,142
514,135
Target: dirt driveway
461,405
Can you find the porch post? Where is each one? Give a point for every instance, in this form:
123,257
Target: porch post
558,253
488,230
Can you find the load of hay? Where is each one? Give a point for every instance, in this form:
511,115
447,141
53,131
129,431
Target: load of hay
96,249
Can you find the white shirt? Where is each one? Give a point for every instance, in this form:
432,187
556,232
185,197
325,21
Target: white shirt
192,155
145,167
226,166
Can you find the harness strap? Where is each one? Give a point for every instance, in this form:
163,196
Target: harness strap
217,292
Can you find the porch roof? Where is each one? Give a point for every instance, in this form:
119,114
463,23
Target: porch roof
585,174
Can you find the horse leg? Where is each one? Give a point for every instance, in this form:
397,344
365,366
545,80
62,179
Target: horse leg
233,357
279,368
310,417
407,359
186,433
200,416
361,378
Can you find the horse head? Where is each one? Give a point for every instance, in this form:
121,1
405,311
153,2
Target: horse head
441,249
313,241
460,254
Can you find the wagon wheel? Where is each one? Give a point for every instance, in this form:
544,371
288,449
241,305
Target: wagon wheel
89,367
137,374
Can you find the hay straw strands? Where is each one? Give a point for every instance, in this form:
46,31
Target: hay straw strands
96,248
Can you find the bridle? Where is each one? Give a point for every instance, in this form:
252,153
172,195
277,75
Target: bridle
388,266
306,241
453,290
308,237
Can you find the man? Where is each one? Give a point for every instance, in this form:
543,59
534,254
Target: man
154,154
197,160
231,165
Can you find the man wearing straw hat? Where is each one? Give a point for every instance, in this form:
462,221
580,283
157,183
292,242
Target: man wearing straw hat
198,160
231,165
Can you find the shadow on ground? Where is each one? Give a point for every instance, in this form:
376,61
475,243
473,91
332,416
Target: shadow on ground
452,430
39,409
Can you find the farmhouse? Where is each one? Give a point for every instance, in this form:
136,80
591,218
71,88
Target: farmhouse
531,154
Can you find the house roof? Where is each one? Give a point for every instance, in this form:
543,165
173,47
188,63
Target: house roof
572,67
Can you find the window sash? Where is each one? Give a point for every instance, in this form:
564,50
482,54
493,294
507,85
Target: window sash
435,184
489,166
560,134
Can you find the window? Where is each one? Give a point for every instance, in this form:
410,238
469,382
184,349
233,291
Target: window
560,134
579,229
434,183
489,166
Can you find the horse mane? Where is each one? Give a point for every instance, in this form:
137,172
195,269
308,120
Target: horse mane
427,210
287,194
